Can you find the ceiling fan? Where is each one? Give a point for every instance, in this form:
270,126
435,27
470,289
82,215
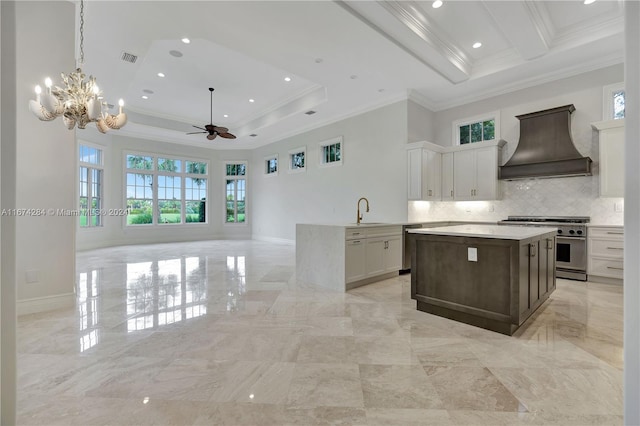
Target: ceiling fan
212,130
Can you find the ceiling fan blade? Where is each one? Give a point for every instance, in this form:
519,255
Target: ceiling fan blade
196,133
227,135
211,137
220,129
201,128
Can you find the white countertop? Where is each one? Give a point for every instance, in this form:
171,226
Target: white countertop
486,231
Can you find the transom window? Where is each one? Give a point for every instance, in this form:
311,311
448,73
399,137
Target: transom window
613,102
90,189
165,190
297,160
271,165
236,192
476,129
331,151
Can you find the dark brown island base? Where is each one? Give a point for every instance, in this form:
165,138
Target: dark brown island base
488,276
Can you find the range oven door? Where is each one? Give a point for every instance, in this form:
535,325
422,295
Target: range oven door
571,253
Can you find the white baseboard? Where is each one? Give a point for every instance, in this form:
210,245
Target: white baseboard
274,240
46,303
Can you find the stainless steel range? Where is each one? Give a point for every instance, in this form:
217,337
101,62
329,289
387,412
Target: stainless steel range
571,242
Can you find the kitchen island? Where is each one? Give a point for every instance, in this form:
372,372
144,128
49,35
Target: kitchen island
488,276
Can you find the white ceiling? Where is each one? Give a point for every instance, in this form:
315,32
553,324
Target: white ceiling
343,58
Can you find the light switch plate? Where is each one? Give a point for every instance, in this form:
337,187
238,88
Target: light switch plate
472,254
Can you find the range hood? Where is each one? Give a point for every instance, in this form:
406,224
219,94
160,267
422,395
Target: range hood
546,148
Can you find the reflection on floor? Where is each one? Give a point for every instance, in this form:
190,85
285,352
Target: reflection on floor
220,332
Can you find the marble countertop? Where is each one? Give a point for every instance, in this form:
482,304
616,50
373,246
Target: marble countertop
374,224
486,231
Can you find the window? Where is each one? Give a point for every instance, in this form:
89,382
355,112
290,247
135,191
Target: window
90,189
477,129
164,190
271,165
296,160
331,152
236,191
613,102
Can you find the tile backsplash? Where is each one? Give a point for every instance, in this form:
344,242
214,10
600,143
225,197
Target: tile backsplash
570,196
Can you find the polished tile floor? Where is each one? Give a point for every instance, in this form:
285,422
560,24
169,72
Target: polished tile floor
220,332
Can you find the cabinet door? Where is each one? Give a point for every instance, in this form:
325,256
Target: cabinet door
354,260
547,266
374,256
534,273
393,254
447,176
414,174
464,174
431,175
487,184
612,162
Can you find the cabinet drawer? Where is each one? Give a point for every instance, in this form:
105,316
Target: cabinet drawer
606,267
382,231
612,233
355,233
607,248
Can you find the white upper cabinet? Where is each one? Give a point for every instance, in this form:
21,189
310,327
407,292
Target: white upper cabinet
460,173
424,172
611,150
475,173
447,177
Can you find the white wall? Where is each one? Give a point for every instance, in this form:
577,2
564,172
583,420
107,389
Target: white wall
632,215
374,167
46,170
420,125
115,232
7,223
575,196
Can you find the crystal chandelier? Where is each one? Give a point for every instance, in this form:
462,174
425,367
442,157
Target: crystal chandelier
79,101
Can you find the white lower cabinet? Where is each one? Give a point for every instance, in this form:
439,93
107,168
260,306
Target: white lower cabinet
354,265
376,251
606,254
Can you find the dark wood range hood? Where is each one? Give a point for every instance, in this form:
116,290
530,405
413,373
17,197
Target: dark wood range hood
546,149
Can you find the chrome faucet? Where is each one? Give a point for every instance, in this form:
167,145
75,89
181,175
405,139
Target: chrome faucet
360,214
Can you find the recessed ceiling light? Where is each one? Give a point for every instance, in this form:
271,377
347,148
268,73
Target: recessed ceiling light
186,40
318,60
252,100
477,44
175,53
436,4
145,97
287,79
226,116
589,1
147,91
380,90
160,74
253,135
353,77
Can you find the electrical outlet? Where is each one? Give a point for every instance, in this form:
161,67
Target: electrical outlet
31,276
491,208
472,254
618,206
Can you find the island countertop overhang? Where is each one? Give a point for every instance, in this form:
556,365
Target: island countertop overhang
501,232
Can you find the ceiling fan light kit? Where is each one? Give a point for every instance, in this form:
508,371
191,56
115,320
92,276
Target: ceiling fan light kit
213,130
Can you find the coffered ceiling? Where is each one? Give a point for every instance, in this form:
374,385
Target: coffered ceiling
342,58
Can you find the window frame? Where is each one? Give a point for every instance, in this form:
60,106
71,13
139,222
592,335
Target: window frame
226,177
266,168
100,167
492,115
291,153
333,141
155,173
607,100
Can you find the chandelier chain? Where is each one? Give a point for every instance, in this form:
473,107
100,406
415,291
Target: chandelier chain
82,31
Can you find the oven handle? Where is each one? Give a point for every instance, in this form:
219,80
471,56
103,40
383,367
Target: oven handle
571,238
